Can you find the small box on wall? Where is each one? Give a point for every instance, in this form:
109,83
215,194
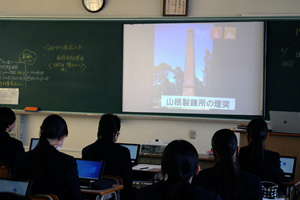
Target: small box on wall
175,8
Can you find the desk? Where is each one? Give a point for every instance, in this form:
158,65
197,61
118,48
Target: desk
105,192
146,175
290,186
205,161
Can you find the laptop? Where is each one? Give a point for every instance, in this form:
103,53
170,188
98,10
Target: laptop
18,186
33,143
89,171
285,122
134,150
288,165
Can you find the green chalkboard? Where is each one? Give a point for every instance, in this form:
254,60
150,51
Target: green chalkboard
63,65
76,65
283,65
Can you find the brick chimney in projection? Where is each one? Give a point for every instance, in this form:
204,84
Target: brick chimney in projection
189,68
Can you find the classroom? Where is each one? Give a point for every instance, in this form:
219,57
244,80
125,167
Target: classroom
139,128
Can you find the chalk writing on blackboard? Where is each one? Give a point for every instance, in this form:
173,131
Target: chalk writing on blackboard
28,57
283,50
14,74
289,63
297,31
65,47
66,62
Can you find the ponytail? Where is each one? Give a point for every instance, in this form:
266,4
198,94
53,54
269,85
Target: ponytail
179,190
41,156
228,182
227,177
258,131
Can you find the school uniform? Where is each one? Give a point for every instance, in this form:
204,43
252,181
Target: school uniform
9,149
118,162
60,175
271,171
252,189
158,190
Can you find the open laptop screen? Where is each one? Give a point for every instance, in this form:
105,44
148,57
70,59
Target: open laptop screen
21,187
288,166
92,170
134,150
33,143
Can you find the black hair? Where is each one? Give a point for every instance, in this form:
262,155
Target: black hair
109,124
227,177
180,163
53,127
7,117
258,131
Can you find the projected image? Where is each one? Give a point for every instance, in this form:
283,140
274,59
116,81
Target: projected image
197,68
183,68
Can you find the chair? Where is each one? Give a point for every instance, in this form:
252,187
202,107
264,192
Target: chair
43,197
5,170
115,180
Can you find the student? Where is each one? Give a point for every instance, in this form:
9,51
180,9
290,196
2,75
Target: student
225,177
52,172
180,164
9,147
117,157
255,159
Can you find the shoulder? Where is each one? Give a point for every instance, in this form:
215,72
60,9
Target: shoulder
147,192
244,150
207,172
205,194
64,156
249,178
272,154
205,177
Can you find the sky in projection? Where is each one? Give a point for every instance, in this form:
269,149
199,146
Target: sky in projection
170,45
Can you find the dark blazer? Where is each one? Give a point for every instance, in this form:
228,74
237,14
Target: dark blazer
156,191
117,158
272,171
252,189
9,149
60,175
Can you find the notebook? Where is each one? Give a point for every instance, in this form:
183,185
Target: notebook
18,186
288,165
285,122
89,171
33,143
134,150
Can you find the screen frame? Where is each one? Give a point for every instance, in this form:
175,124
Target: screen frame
207,115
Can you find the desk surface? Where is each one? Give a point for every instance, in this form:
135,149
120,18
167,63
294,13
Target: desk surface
294,182
202,157
148,168
102,192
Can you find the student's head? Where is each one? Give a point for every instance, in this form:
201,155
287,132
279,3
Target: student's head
109,127
224,143
54,129
180,163
257,130
180,160
7,119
